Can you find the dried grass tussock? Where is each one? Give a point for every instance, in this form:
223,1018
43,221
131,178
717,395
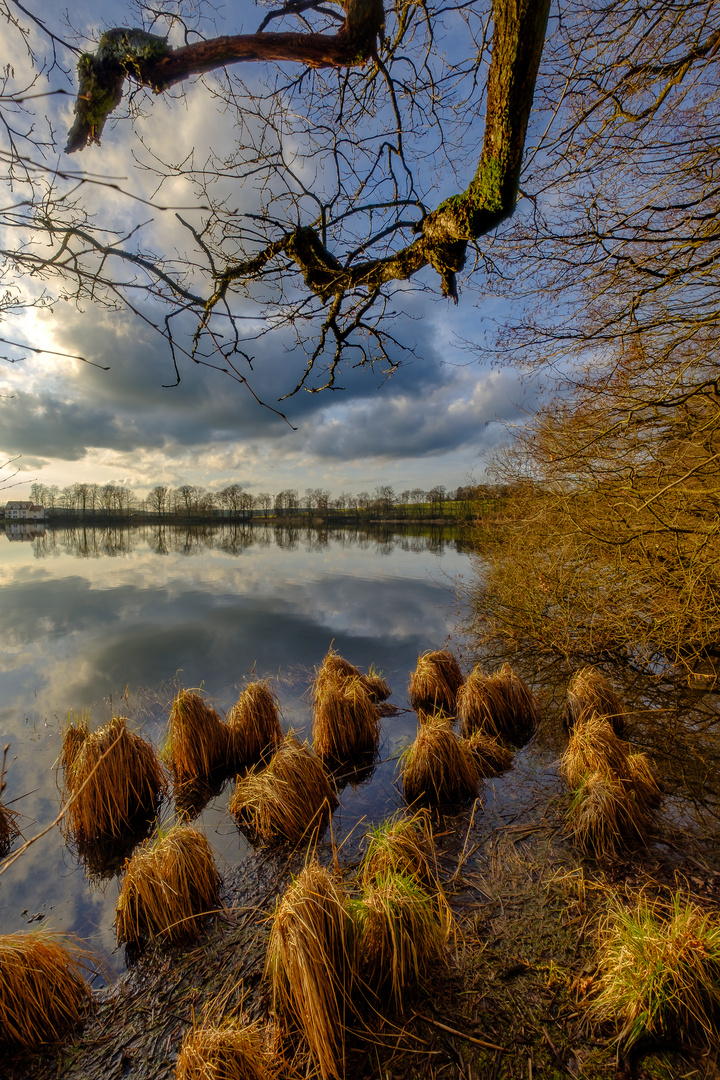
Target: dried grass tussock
402,845
594,747
43,994
335,668
439,767
402,934
290,800
345,721
253,724
659,971
605,816
311,962
225,1052
491,756
435,682
113,777
171,883
198,741
589,691
501,705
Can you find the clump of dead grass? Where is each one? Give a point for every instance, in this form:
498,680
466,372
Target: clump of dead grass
171,884
589,691
198,742
605,817
439,767
43,994
402,844
377,687
336,669
112,780
253,724
402,934
594,747
345,722
499,705
435,682
311,964
491,755
659,970
289,800
224,1052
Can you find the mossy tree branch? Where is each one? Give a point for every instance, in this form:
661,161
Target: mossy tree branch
149,60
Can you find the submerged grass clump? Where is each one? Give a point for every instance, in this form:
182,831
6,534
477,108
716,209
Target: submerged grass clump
439,767
377,687
435,682
402,933
197,745
223,1052
589,691
345,721
113,778
171,884
498,705
253,725
289,800
659,971
491,755
404,845
311,963
43,994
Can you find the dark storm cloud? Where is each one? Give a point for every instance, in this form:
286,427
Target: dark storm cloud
446,418
426,408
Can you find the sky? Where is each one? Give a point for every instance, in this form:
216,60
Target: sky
64,421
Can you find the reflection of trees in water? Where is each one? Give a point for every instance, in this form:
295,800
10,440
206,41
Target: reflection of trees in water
233,539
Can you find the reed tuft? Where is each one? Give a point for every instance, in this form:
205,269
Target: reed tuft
311,963
589,691
605,817
594,747
253,725
402,934
224,1052
401,845
113,778
289,800
198,743
491,756
171,884
345,721
439,767
659,971
498,705
43,994
435,682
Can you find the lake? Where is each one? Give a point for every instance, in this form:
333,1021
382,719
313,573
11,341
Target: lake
114,621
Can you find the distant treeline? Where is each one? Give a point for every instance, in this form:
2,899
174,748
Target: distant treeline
236,503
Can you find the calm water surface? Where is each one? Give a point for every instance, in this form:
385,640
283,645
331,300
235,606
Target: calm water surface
115,621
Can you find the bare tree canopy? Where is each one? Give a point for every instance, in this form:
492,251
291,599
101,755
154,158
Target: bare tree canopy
358,158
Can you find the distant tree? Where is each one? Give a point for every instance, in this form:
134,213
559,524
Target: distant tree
158,499
385,499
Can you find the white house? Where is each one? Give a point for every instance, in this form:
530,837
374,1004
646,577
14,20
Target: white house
24,511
